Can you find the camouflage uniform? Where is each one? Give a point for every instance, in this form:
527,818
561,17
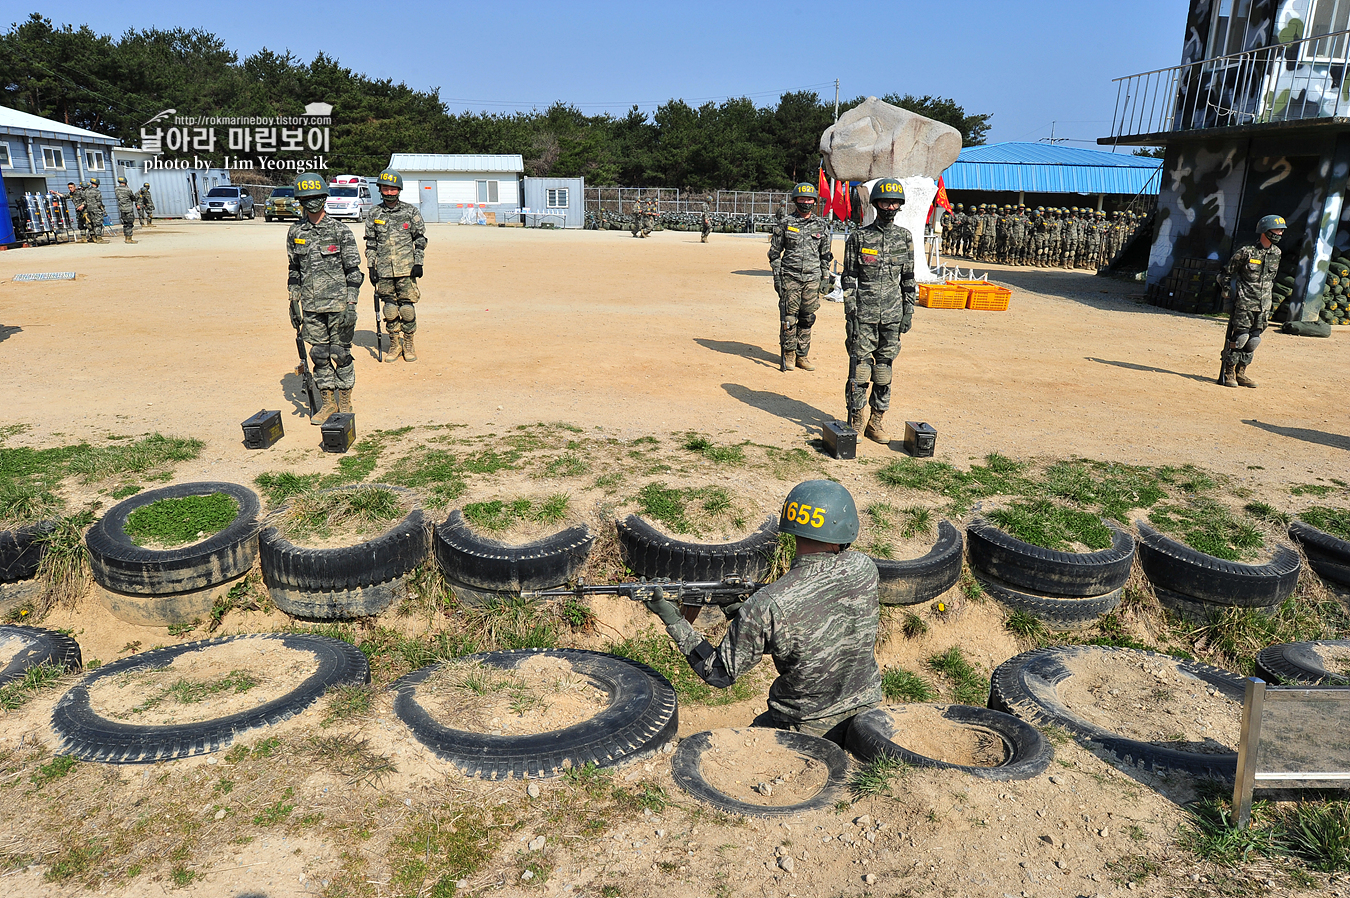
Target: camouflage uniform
1254,268
126,209
94,212
396,241
878,282
325,278
146,205
819,622
705,226
800,255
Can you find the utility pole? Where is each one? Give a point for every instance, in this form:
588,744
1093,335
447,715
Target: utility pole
836,99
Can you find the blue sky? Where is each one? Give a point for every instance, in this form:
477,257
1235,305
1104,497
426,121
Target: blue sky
1027,63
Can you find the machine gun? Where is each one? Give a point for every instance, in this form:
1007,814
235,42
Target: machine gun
689,593
379,334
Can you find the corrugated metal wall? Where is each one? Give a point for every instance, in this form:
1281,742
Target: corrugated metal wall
539,211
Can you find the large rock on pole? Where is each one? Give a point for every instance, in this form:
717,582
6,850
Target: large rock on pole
878,140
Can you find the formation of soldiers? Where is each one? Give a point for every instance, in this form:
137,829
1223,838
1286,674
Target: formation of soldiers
1039,238
645,213
87,200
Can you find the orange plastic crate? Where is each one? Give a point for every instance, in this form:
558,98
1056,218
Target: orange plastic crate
942,296
983,296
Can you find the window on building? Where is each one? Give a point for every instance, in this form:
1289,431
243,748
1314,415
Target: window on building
1328,17
5,161
487,192
1230,27
53,158
557,198
93,160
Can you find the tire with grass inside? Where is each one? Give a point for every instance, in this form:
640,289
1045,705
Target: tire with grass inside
911,581
87,735
642,715
650,553
1055,612
31,646
119,565
1028,686
1048,572
871,736
1301,664
1328,556
488,566
21,551
686,765
1175,566
347,582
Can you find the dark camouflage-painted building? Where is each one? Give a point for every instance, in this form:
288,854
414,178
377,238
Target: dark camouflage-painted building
1255,120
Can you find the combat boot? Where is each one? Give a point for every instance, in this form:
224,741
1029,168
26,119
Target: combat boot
128,240
1242,379
855,421
326,410
395,348
344,401
409,354
804,363
876,430
786,361
1228,377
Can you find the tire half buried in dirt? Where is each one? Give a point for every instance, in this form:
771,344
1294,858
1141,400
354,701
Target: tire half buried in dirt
911,581
1175,566
21,551
31,646
1305,663
1058,613
118,564
641,716
650,553
487,565
1029,686
1328,555
687,763
1020,750
1048,572
88,736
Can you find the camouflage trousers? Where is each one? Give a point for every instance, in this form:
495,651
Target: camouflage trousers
399,296
797,305
871,350
1251,322
330,337
834,728
128,223
142,215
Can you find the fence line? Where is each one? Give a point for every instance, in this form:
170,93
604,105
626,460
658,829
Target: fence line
670,199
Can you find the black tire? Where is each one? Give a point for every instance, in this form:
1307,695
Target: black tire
687,763
914,580
871,737
651,553
468,559
120,565
1300,664
21,551
1057,613
1328,556
1178,568
1199,611
39,647
347,582
1027,687
642,715
91,737
1047,572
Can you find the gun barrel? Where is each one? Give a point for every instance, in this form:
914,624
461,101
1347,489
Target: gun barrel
705,592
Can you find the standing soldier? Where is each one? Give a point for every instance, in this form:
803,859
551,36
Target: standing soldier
95,210
1253,268
396,242
147,205
878,281
637,218
324,284
799,253
76,196
126,209
649,212
705,225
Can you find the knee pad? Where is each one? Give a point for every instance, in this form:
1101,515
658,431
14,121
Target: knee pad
318,354
808,321
342,356
407,311
1251,343
882,373
862,370
1241,341
390,311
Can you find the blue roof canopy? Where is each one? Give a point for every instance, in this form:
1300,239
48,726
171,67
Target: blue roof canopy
1049,168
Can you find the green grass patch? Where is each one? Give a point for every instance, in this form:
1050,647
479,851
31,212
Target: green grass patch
282,485
277,811
569,464
147,455
1208,526
439,847
969,686
1317,833
17,693
875,778
902,685
657,651
359,510
999,475
53,770
435,470
1237,634
1027,627
1335,521
672,506
497,515
721,455
177,522
191,692
1311,489
1264,511
1050,526
25,502
1115,489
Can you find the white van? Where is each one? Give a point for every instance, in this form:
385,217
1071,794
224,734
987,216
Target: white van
349,196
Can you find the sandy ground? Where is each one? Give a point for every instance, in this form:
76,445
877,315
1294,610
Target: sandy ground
186,334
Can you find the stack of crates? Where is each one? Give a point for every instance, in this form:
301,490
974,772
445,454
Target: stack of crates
942,296
984,296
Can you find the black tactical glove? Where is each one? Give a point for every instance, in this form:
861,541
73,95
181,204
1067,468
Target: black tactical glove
417,271
905,321
374,278
349,319
730,611
297,316
663,607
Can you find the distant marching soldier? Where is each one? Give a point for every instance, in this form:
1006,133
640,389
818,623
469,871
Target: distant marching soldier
324,282
705,225
126,209
396,242
147,204
636,227
800,255
1251,270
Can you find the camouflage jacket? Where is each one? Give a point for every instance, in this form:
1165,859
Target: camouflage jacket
1254,269
819,622
126,200
800,248
325,266
396,239
878,276
93,201
147,203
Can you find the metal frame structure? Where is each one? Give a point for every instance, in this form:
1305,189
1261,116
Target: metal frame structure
735,202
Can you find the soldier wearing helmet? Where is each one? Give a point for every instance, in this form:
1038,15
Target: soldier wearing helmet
800,255
324,282
705,224
1247,281
879,292
145,206
126,208
94,211
818,622
396,242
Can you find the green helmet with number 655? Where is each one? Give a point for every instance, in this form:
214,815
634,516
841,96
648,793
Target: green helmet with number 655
821,510
310,184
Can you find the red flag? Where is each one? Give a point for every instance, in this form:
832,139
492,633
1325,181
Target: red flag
824,190
941,198
843,204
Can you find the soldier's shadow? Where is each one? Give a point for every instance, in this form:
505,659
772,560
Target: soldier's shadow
756,354
366,340
293,388
9,330
807,416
